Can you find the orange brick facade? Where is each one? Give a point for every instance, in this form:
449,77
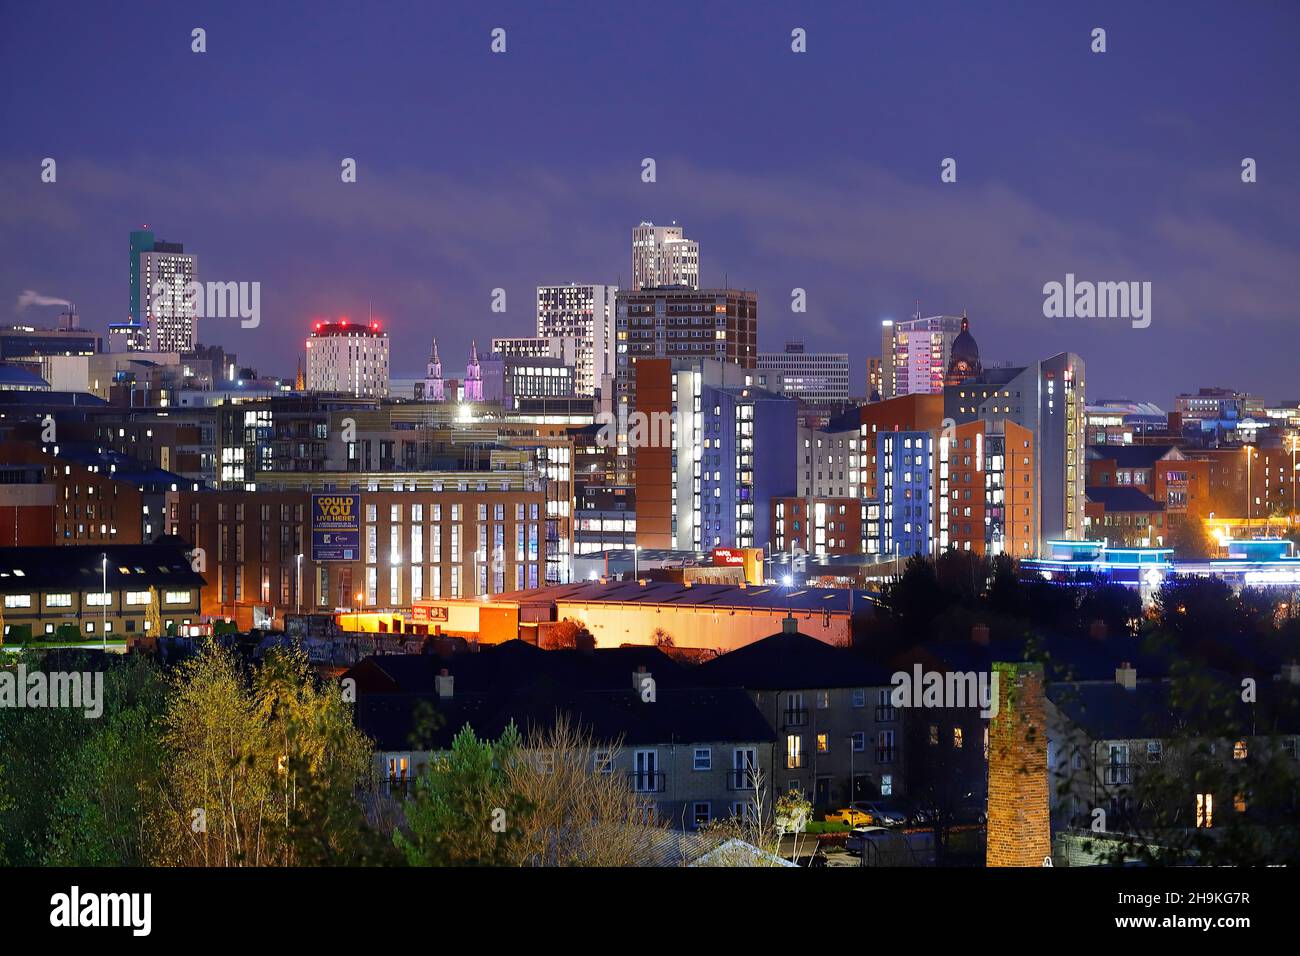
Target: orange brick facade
1019,812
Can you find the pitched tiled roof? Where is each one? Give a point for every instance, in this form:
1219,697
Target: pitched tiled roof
677,715
1122,498
79,567
1108,711
1130,456
791,661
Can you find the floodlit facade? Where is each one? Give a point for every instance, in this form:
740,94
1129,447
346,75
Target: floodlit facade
581,316
348,358
662,255
818,378
915,354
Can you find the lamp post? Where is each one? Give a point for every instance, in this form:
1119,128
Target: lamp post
853,788
636,563
104,606
1249,456
1295,478
298,589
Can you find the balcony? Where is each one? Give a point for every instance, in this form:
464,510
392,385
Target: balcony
645,781
1119,774
795,761
741,780
885,713
885,754
796,717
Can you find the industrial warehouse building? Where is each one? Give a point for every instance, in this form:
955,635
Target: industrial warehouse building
719,617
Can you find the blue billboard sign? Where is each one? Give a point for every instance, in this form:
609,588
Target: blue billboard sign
335,527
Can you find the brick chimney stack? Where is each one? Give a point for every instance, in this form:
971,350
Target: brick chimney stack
1019,820
1126,676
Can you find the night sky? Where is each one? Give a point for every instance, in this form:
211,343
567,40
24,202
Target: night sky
816,170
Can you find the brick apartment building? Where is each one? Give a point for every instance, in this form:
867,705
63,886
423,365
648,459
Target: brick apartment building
426,534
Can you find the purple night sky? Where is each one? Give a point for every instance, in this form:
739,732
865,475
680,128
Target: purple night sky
818,170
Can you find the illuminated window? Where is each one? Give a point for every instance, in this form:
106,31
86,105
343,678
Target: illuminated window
399,768
1204,810
823,743
793,751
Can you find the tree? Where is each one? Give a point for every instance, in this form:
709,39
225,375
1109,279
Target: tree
576,810
462,812
760,826
72,789
153,616
98,820
1191,540
915,598
239,755
568,635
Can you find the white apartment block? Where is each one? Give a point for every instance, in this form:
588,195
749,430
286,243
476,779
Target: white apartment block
662,255
169,315
532,346
348,359
812,377
830,463
582,317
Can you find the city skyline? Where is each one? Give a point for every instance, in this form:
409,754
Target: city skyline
247,176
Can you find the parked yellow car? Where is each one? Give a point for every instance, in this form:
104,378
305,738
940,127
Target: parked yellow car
850,815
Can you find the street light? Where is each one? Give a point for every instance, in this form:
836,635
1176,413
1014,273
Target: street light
1249,456
298,591
1295,477
103,597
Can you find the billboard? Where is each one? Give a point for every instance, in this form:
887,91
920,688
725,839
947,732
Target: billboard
750,559
335,527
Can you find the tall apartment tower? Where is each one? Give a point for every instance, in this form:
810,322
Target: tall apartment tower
663,256
348,358
915,354
678,323
159,318
715,451
1048,398
584,315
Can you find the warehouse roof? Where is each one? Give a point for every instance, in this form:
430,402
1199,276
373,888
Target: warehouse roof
752,597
